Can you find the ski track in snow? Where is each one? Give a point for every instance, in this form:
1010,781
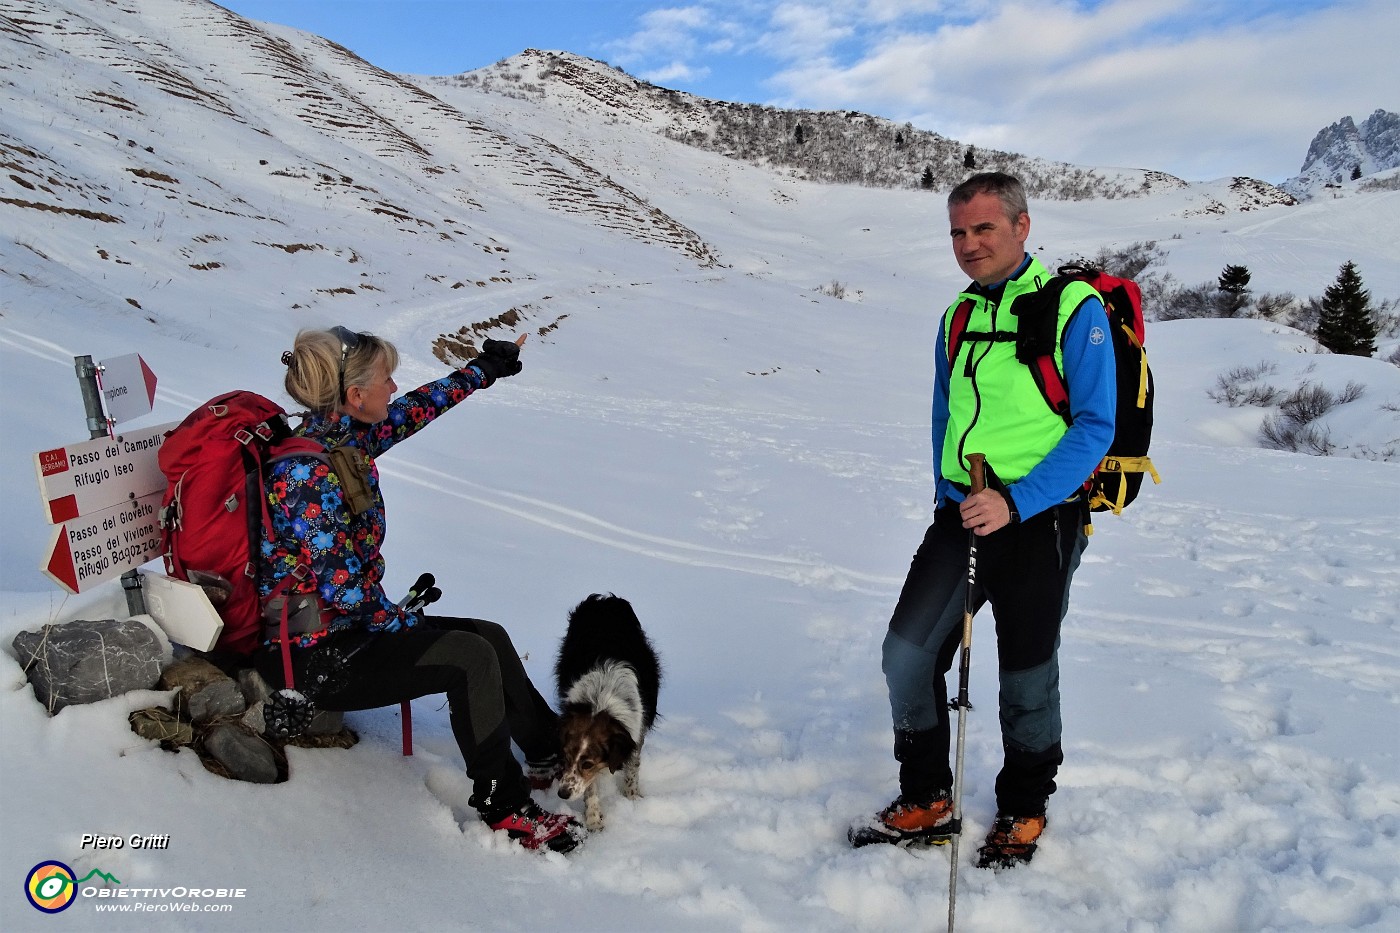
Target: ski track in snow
579,524
742,446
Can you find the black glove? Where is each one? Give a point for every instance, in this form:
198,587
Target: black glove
498,359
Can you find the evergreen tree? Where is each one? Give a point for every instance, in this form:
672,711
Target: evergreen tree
1355,172
926,182
969,159
1234,290
898,139
797,134
1234,279
1347,323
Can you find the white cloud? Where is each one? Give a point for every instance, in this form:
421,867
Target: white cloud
675,71
799,30
1122,83
663,32
1194,87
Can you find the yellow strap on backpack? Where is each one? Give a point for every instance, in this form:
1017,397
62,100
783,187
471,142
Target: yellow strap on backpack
1121,465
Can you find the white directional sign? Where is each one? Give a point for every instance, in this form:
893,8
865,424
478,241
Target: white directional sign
182,610
128,387
83,478
105,544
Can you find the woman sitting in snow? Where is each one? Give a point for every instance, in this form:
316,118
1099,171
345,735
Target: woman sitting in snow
356,646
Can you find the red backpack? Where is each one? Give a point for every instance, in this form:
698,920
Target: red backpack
214,509
1118,478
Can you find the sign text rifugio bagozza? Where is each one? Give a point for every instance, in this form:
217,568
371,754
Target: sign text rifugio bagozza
88,550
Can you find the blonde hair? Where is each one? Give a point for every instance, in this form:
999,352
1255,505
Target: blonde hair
313,367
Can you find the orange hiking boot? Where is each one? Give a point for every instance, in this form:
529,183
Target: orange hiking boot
908,822
1011,841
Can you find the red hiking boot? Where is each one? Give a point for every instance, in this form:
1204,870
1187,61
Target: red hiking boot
534,828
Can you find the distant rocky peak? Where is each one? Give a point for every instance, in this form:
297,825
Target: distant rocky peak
1337,145
1344,149
1340,148
1381,133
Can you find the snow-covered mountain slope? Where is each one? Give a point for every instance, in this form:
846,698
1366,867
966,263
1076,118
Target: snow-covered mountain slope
167,107
830,146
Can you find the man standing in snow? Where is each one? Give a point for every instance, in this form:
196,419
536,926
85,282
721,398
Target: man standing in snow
1028,523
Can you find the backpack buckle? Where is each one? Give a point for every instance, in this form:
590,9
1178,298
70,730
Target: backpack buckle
169,516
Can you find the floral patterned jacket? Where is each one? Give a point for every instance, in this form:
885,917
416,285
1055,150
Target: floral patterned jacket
312,524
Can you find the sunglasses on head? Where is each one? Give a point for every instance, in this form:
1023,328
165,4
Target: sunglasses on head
349,340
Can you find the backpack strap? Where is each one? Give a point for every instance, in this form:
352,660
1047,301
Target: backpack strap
352,466
957,326
259,520
958,332
1101,500
1037,335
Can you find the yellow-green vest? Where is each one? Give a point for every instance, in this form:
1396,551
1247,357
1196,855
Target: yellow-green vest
994,405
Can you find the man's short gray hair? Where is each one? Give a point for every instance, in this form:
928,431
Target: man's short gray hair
1007,188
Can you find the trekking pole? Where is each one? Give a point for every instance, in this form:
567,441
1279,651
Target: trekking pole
420,586
415,601
419,595
977,464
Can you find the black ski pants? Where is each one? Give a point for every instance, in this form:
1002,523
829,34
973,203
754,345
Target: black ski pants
1024,572
490,698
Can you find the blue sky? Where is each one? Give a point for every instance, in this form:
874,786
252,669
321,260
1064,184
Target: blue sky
1199,88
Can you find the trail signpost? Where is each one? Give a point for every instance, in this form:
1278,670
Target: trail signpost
104,496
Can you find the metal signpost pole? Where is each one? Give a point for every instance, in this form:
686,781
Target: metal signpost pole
98,427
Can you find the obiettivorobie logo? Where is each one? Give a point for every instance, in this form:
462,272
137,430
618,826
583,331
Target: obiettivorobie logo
51,886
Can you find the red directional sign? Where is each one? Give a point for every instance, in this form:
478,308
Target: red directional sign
128,387
104,545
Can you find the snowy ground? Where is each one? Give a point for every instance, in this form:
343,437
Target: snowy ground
1230,663
746,460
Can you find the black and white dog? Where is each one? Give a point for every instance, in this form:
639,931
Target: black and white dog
608,677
